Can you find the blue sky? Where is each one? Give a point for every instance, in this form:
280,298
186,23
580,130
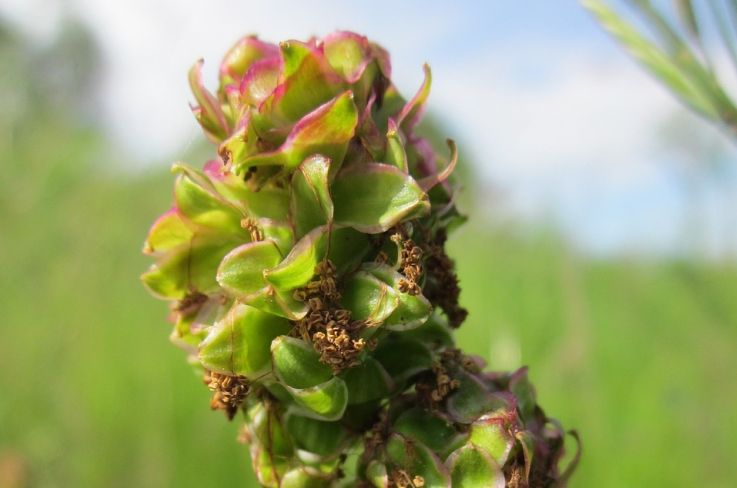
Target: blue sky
554,115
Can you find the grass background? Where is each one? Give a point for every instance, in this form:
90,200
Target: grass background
638,355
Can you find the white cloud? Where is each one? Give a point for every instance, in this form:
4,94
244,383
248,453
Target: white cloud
561,127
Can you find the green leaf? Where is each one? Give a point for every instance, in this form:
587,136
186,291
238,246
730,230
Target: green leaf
650,56
492,434
417,459
412,310
325,401
325,131
297,364
368,298
326,439
433,431
367,381
166,233
471,467
242,270
240,343
311,205
373,197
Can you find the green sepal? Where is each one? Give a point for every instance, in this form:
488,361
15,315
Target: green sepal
412,310
348,54
376,474
403,358
368,298
410,113
435,432
520,386
270,201
326,401
417,459
241,272
305,477
184,336
435,332
374,197
190,267
311,205
527,443
192,328
241,143
273,301
268,467
368,381
306,81
199,202
492,433
166,233
471,467
208,112
297,364
325,131
267,429
271,447
279,232
395,153
298,267
471,399
240,343
241,56
326,439
344,247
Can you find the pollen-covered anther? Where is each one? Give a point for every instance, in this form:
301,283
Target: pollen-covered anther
249,224
191,303
439,384
442,287
410,263
402,479
329,328
229,392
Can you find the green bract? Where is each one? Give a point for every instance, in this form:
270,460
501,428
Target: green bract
308,280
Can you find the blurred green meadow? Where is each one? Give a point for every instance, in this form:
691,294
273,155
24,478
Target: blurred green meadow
639,355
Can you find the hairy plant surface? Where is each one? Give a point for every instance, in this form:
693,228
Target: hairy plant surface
308,281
